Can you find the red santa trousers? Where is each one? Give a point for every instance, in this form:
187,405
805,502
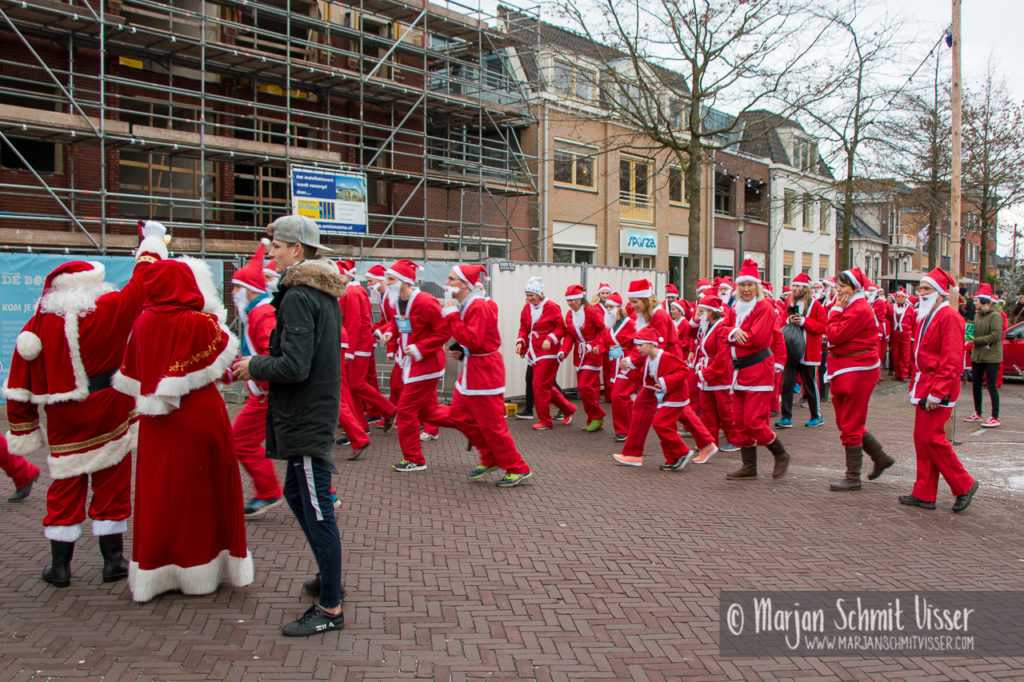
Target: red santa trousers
608,371
396,393
851,393
622,406
776,393
250,432
716,414
901,355
417,402
692,423
353,426
664,422
588,383
936,456
544,372
481,419
18,469
694,391
642,416
882,347
111,496
752,412
366,399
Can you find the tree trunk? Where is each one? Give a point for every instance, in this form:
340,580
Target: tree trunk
983,256
844,253
694,187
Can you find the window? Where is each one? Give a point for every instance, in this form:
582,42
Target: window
676,185
563,255
823,266
807,263
634,190
38,155
805,155
723,193
573,80
787,265
574,169
636,261
44,157
808,216
788,199
823,218
754,192
721,271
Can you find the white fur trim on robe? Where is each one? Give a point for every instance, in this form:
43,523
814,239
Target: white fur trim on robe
202,579
107,455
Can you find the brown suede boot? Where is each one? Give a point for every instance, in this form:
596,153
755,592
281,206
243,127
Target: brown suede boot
778,450
881,460
851,481
748,471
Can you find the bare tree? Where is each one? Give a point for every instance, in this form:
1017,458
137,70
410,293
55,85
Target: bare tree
993,163
666,65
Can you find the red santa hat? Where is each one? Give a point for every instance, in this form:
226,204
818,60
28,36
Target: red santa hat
602,287
473,275
615,299
749,272
912,299
855,275
347,267
376,273
787,290
802,279
251,276
724,282
270,268
404,270
573,292
679,305
534,285
941,280
901,292
671,290
984,292
829,282
711,302
640,288
648,335
702,284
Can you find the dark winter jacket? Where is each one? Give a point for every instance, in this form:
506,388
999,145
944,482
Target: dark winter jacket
303,367
988,336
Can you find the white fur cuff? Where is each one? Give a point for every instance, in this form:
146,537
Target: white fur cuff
25,444
108,527
63,533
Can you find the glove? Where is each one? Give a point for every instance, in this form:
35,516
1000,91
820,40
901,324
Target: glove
151,228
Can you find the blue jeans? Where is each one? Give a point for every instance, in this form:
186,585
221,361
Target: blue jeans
307,488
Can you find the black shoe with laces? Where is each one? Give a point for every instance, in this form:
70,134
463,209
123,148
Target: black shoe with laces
314,622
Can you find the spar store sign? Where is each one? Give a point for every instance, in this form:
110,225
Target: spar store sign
638,241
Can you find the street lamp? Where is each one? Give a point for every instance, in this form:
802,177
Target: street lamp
739,231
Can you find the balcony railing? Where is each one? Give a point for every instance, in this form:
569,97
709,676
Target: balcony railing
634,207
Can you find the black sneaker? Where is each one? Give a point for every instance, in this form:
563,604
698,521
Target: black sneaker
313,622
406,465
620,438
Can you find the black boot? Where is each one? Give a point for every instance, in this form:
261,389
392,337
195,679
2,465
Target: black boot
749,469
781,458
114,566
874,450
854,457
58,573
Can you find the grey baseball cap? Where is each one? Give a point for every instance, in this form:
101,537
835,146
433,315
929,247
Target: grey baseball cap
300,229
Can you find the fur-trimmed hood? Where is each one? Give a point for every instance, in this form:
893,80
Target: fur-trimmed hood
320,274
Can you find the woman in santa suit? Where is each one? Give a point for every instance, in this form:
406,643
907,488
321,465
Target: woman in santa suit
618,343
541,328
186,460
853,368
584,326
750,344
609,367
713,369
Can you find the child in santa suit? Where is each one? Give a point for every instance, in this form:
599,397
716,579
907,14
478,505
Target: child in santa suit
902,335
64,360
249,430
609,367
541,329
714,371
853,368
936,386
478,401
22,472
584,329
179,348
618,344
420,353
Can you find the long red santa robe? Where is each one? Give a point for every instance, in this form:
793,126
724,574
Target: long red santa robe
584,330
537,325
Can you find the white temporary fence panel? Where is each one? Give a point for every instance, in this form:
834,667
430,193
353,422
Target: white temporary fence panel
618,278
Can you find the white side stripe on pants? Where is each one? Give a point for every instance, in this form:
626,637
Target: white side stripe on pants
307,466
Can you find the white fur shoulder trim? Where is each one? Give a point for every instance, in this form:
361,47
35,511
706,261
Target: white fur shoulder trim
202,579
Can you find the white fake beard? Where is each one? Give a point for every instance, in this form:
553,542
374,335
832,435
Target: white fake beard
241,302
375,296
579,317
703,325
724,294
925,304
743,309
610,315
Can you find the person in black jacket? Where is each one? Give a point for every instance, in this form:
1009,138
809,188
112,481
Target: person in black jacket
304,373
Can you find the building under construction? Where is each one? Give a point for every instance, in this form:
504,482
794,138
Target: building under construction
195,113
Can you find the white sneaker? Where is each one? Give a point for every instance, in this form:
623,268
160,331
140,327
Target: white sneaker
424,436
973,418
524,415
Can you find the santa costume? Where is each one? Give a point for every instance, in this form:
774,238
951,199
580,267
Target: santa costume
714,371
420,336
582,342
902,335
940,337
618,344
64,360
609,367
805,369
753,378
853,371
178,349
22,472
541,329
249,429
883,314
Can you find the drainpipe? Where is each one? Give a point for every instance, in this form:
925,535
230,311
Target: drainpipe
542,171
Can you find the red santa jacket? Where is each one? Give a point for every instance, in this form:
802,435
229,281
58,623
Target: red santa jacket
883,314
260,320
620,334
713,361
584,330
78,339
357,320
666,328
425,343
666,373
938,356
387,313
474,326
759,326
537,325
903,321
852,338
814,322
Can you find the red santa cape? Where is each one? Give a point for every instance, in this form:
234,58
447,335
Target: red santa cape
186,459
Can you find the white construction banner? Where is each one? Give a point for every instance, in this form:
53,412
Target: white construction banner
335,199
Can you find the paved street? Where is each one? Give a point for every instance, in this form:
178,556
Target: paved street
590,571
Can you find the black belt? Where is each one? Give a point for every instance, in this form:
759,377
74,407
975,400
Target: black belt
100,382
751,360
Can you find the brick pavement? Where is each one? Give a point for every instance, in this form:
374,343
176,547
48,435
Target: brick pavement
590,571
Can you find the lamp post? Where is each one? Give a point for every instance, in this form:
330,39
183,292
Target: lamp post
739,231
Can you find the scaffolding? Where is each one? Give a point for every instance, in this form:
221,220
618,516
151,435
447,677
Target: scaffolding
192,112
